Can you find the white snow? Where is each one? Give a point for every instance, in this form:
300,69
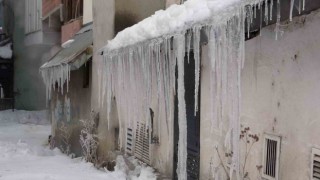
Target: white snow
24,154
6,51
173,20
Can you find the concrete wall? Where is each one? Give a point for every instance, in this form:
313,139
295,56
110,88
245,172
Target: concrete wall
80,109
280,96
30,52
103,26
87,11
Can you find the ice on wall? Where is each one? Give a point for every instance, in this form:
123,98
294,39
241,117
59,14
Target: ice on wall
141,61
55,78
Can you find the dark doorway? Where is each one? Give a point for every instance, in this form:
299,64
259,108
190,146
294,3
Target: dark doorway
193,123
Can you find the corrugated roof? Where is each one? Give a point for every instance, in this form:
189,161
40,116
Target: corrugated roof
75,55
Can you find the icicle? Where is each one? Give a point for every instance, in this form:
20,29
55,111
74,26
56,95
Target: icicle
300,7
266,13
56,74
277,30
291,9
188,36
249,19
271,10
260,18
196,51
255,11
179,43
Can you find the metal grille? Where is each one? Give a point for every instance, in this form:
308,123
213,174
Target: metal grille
142,144
129,144
316,166
271,156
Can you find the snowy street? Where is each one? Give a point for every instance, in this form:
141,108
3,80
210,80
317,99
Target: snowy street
24,154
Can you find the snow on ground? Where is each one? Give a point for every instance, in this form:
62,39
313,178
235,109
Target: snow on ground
24,154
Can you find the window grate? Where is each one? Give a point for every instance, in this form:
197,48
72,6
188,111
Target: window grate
315,165
142,143
271,153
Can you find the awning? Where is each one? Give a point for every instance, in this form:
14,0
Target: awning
75,55
57,70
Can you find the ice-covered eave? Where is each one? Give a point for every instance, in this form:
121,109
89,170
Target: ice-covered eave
59,72
168,23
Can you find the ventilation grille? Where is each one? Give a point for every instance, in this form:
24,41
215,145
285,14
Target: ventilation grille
316,164
142,143
271,157
129,144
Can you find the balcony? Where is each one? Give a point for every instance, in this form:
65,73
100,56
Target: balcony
70,29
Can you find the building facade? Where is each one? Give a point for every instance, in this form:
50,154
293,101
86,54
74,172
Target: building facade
34,41
278,117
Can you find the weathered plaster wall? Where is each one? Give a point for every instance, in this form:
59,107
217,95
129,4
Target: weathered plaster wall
280,95
103,30
79,108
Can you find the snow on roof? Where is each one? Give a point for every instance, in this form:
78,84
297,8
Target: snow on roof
175,19
6,51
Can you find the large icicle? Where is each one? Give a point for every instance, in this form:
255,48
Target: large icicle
179,44
196,51
291,9
277,30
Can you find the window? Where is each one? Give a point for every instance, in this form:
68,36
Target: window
271,153
315,164
33,13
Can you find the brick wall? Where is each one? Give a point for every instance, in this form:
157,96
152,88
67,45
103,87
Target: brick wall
70,29
49,5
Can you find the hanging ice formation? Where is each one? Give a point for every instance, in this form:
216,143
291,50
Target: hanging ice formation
301,6
55,78
140,67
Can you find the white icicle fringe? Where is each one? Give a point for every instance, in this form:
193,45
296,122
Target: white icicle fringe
56,75
137,73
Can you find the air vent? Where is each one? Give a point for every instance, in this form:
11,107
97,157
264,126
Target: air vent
271,154
129,144
142,143
315,165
